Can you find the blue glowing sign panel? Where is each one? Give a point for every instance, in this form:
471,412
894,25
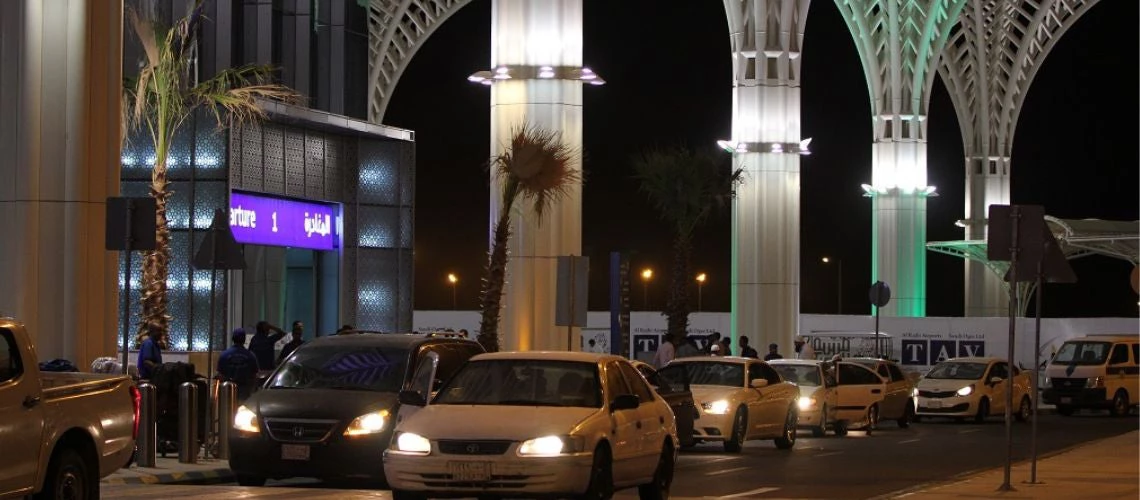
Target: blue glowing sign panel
258,219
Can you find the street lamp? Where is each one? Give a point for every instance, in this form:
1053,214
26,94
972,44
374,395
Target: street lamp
839,282
453,280
700,288
646,275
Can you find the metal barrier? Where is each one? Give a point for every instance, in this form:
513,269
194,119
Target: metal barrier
227,405
188,423
148,431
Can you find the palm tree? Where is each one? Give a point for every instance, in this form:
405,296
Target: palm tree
159,100
537,166
684,187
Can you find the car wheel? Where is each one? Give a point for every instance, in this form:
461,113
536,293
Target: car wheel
983,411
662,478
250,480
872,419
787,438
840,428
1024,410
908,415
406,495
821,429
601,476
69,477
739,428
1065,410
1120,404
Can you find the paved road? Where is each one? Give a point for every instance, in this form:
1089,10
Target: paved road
856,466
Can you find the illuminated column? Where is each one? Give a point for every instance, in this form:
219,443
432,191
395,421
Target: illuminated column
1016,38
767,37
59,96
529,42
898,44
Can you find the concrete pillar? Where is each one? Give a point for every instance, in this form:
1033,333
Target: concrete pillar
60,84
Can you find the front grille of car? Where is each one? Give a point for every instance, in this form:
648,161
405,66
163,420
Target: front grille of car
937,394
456,447
1069,383
299,430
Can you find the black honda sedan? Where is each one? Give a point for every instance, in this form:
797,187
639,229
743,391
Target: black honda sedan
328,410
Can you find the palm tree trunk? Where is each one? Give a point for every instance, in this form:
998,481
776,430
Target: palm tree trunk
492,296
156,263
677,309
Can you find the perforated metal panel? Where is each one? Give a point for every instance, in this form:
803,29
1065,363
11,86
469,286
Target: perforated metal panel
379,175
378,293
178,205
407,228
379,226
295,162
272,148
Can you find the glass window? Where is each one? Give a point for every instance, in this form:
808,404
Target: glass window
762,370
883,372
896,374
852,374
10,364
524,382
707,373
957,371
650,374
340,367
615,383
806,375
636,383
1000,370
1119,354
1135,353
1082,353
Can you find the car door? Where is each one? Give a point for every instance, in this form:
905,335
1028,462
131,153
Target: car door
21,417
677,395
765,413
625,437
898,392
423,380
650,423
997,390
858,389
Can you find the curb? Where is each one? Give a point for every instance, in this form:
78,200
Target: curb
210,476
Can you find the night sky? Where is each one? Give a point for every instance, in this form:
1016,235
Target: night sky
668,72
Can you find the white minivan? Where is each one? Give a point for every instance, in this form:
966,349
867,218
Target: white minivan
1095,372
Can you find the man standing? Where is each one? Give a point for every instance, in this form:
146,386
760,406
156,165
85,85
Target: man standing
298,332
773,353
238,365
261,345
746,349
665,352
804,350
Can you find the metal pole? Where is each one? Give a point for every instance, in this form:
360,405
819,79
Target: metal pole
877,308
454,307
227,405
700,293
188,423
1015,214
645,291
839,305
570,324
126,318
148,438
1036,375
209,431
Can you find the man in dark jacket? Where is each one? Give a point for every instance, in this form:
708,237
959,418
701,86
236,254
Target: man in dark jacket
261,345
238,365
298,332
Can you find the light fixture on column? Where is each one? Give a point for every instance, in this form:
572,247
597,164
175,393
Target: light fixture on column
513,72
872,191
800,148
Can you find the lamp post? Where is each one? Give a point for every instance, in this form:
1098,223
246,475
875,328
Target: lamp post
838,280
453,280
700,289
646,275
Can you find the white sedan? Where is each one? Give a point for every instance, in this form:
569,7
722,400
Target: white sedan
739,399
535,424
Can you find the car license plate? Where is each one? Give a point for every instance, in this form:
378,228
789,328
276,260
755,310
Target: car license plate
294,452
934,403
469,471
1066,401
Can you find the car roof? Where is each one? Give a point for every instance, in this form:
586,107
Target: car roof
589,357
801,362
1109,337
974,359
713,359
362,338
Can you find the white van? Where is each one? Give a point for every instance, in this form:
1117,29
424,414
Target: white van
1095,372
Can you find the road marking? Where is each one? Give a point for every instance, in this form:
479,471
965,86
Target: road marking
726,471
827,454
967,431
708,461
909,441
757,491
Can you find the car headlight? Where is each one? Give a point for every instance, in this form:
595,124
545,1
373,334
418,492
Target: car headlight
413,443
245,420
549,446
806,403
369,423
719,407
966,391
914,393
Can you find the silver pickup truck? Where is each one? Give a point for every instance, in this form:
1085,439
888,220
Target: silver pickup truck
60,433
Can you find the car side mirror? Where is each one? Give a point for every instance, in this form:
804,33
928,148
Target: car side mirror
625,402
995,379
759,383
411,398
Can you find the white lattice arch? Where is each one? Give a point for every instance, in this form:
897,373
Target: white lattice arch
397,29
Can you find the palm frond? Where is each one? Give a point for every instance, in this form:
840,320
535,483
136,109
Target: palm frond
145,30
685,186
541,165
232,94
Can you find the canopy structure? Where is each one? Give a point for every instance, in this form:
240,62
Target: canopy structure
1076,237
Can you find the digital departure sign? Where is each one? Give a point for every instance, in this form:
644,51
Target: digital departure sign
259,219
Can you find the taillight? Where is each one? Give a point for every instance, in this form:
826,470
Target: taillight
136,399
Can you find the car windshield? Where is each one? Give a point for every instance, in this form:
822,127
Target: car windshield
1082,353
341,367
706,373
957,371
523,382
799,374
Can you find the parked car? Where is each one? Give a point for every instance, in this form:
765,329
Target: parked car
1095,372
679,397
329,409
897,390
739,399
818,411
535,424
972,387
62,432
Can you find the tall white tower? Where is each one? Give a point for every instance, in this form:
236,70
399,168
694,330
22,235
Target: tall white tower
988,65
899,43
767,40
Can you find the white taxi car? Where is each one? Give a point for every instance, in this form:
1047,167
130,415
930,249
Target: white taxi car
535,424
739,399
843,394
965,387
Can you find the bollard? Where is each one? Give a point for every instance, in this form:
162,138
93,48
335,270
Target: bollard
148,438
227,405
188,423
